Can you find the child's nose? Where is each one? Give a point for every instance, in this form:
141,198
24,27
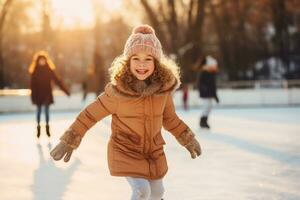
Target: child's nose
142,64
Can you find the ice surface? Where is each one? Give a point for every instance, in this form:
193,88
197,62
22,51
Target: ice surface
250,154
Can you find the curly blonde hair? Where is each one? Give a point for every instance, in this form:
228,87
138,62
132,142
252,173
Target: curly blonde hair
120,70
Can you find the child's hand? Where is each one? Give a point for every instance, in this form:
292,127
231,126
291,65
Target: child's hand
62,150
194,148
188,140
69,141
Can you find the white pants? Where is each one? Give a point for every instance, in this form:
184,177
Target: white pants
143,189
207,106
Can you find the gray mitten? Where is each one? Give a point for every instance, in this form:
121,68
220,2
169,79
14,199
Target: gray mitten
68,142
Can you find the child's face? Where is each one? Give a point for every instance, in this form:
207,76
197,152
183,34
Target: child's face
142,65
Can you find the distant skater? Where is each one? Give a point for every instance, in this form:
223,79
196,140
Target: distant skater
84,89
42,74
207,88
185,96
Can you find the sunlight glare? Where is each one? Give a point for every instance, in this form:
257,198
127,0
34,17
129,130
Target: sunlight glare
70,13
73,12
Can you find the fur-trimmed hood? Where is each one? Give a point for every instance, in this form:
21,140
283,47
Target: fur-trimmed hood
165,78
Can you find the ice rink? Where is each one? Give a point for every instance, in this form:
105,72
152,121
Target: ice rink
249,154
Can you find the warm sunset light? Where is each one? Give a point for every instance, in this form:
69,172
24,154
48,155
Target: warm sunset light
73,12
70,13
149,99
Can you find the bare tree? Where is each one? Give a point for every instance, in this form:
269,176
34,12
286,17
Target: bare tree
238,51
46,31
98,61
282,37
179,25
3,13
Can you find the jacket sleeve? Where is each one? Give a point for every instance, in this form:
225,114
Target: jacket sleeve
105,104
32,87
58,82
171,121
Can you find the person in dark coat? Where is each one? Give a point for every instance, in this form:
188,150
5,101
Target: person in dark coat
207,87
42,75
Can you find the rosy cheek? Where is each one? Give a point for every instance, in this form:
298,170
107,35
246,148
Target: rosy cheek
132,64
132,67
135,63
151,67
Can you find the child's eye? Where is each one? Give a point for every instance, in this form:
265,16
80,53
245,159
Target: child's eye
134,58
149,59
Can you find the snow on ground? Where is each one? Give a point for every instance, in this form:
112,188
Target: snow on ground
250,154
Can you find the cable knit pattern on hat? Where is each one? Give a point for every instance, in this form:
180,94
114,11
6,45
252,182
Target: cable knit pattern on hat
143,39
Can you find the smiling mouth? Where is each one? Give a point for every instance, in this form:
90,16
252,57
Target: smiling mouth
141,71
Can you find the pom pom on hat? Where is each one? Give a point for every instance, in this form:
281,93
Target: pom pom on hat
144,29
143,39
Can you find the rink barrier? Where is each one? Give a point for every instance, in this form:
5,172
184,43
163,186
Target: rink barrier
258,97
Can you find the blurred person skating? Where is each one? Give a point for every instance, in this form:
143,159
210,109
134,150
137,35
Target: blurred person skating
84,86
42,75
207,87
139,98
185,96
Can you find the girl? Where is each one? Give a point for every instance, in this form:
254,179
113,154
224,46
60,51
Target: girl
207,87
139,97
41,75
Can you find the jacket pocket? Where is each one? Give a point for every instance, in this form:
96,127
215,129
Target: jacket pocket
129,139
127,144
158,139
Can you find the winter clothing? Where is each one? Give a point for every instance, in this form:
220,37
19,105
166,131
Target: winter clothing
40,84
187,139
143,38
39,112
207,85
207,106
211,63
203,122
69,141
207,88
48,130
42,74
143,189
139,110
38,129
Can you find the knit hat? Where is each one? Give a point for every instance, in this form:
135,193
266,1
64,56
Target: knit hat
143,38
211,64
210,61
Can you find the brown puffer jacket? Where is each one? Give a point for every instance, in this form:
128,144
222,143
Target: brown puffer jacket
139,111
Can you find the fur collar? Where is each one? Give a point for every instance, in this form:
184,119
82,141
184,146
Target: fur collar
161,81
